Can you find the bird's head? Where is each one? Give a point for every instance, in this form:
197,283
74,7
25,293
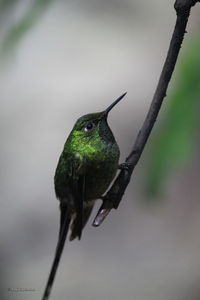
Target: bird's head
94,124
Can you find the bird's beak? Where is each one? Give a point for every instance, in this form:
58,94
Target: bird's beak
113,104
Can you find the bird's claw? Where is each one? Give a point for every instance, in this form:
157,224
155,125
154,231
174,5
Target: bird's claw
125,166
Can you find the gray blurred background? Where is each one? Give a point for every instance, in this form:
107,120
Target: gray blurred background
72,58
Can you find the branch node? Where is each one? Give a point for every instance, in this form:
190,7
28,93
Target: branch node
183,7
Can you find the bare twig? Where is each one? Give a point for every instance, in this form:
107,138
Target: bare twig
114,195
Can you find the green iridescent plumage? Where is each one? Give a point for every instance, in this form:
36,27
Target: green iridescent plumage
96,157
85,169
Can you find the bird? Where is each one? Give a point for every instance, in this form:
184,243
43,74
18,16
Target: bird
86,167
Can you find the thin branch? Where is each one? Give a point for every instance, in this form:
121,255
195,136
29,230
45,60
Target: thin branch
115,194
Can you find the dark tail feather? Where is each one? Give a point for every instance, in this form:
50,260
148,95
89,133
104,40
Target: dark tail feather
75,225
63,216
65,220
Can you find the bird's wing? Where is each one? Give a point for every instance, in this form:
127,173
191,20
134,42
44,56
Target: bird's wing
78,190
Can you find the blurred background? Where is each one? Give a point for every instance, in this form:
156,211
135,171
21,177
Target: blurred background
62,59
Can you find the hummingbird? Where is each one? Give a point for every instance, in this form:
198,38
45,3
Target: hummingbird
86,167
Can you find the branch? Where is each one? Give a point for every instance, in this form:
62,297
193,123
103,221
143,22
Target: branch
116,192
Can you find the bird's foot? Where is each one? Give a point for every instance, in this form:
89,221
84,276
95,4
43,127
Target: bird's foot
125,166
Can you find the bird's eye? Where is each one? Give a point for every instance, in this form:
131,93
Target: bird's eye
89,127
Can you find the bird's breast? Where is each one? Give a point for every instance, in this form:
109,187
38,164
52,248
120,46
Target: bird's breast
101,168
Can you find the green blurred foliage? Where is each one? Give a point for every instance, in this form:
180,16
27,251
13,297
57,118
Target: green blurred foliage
18,30
174,143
